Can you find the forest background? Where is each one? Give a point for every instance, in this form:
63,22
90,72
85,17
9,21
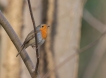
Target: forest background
76,26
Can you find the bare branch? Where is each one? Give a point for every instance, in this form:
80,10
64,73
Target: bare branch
93,21
14,38
34,26
91,44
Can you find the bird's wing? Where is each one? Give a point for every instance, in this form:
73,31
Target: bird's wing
30,36
22,47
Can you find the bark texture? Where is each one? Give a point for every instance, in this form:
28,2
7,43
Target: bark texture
49,53
63,37
10,65
67,36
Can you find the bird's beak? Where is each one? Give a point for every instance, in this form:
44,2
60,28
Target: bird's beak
48,26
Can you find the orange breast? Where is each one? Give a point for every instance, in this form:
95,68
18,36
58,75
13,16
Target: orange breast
44,33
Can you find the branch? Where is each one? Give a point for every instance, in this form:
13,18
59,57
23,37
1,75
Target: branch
34,26
14,38
91,44
96,58
93,21
73,55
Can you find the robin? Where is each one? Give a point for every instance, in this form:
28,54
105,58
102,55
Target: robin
41,31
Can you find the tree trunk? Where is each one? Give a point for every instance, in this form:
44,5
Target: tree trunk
49,53
67,36
10,65
63,39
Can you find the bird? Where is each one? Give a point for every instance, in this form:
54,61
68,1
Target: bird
41,31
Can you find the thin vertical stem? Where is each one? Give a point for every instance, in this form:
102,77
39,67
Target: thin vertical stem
33,21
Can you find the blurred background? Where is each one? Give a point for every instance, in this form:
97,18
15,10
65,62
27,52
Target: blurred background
74,24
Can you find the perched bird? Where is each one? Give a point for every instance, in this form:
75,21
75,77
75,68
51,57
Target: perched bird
41,31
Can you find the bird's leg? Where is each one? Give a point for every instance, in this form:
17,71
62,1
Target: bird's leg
33,46
39,51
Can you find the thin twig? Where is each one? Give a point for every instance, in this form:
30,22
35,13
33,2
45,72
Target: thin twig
91,44
95,23
73,55
33,21
14,38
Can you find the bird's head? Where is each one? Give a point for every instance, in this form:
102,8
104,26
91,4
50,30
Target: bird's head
43,28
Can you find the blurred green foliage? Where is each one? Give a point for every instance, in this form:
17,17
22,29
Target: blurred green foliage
88,33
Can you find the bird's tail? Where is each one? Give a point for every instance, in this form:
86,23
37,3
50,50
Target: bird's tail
22,47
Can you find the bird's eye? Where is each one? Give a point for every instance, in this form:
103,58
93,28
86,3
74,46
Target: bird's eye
42,26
